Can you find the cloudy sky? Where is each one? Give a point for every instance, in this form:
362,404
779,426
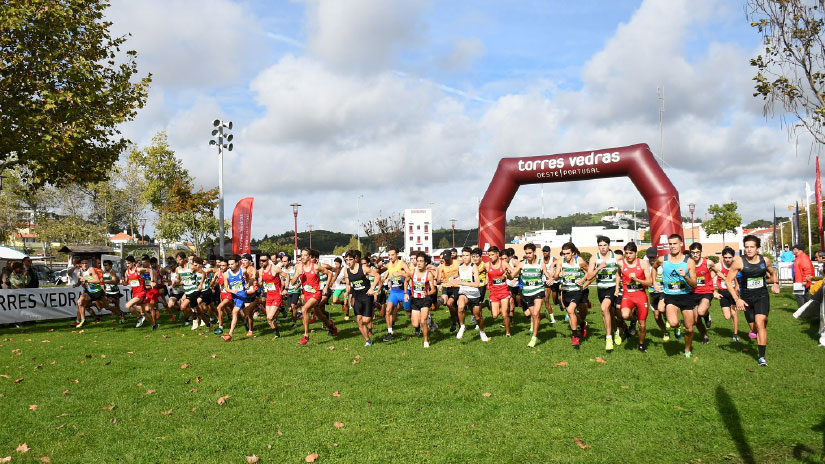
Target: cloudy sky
413,102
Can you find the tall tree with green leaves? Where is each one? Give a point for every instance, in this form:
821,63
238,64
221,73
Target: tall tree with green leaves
791,70
65,87
724,219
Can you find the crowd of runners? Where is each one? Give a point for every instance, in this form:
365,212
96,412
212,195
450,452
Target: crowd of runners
678,288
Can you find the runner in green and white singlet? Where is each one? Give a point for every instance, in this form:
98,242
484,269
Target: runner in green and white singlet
533,274
573,273
604,268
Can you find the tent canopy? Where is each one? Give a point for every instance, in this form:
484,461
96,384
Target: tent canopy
11,253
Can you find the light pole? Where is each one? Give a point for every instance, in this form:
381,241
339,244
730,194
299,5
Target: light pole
358,232
295,214
142,226
310,234
453,221
219,132
692,207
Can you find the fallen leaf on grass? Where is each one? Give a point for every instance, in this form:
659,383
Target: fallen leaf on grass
18,380
6,459
268,446
130,352
149,391
357,356
32,407
601,360
311,458
184,366
65,392
336,394
5,376
560,364
486,394
103,356
113,420
214,355
223,399
252,459
331,347
74,381
625,387
198,379
45,459
111,407
44,341
280,433
88,356
167,413
60,426
355,361
165,336
581,445
24,448
193,390
339,425
194,409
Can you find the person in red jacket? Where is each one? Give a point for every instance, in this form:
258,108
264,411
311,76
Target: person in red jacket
803,272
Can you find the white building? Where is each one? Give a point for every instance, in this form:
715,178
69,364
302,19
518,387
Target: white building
581,236
418,231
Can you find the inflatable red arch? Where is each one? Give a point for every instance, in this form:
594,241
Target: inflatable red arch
634,161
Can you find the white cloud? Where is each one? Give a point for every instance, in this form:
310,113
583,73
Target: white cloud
463,54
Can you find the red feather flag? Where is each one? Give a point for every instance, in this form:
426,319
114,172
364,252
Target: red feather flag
242,226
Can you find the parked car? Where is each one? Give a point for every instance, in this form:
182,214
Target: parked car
60,277
44,274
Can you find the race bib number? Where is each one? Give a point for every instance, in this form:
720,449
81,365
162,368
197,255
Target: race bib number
676,286
358,285
634,286
498,281
396,282
723,284
700,281
309,289
269,286
236,286
755,283
134,283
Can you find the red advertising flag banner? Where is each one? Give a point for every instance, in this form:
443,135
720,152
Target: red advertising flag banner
818,189
242,226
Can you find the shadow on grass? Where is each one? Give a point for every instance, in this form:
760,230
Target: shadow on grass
733,423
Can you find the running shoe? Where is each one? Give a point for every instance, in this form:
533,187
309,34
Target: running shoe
219,331
642,349
368,343
708,320
186,322
575,341
81,324
122,320
552,320
300,314
666,336
460,332
584,330
472,320
678,333
195,324
483,336
388,338
705,340
617,338
294,325
688,354
304,340
249,333
507,335
277,333
736,339
140,321
752,335
632,329
426,344
566,317
333,330
533,341
346,318
227,338
418,331
608,344
453,327
74,324
762,362
313,318
173,318
155,327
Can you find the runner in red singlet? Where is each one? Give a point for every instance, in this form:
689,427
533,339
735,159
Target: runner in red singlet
270,276
226,303
634,277
497,284
134,281
704,289
720,270
307,271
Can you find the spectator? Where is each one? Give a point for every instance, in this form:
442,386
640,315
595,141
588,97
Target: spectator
34,281
18,278
803,273
787,255
5,274
73,273
808,309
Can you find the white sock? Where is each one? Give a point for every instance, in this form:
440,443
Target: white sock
389,330
552,318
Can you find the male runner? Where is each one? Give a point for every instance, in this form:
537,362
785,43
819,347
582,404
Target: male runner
175,283
308,271
604,268
252,291
270,277
497,283
339,287
703,293
513,282
113,295
423,289
634,277
235,283
551,288
92,282
533,274
293,291
397,270
133,278
679,279
720,271
190,277
226,298
752,296
475,257
361,292
572,272
468,293
150,282
657,297
447,276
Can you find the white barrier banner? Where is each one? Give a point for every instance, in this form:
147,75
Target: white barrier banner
37,304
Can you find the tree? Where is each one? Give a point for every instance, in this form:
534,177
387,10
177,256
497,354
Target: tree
725,219
352,245
443,243
791,72
65,88
384,231
759,224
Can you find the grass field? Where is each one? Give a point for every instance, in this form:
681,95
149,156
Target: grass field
112,393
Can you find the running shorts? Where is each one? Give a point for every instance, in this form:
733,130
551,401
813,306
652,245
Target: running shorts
192,297
138,292
483,291
577,297
363,306
698,297
176,295
337,293
151,295
292,298
316,295
417,304
514,291
206,296
114,296
608,293
274,298
760,305
95,296
396,296
251,298
451,292
727,299
637,300
683,302
226,296
499,293
528,301
655,298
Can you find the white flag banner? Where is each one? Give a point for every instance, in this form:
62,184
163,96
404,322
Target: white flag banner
37,304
